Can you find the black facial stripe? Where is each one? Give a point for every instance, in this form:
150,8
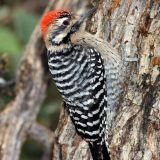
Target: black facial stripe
55,33
60,30
66,39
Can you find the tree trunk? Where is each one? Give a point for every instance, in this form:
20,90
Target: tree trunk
18,120
133,28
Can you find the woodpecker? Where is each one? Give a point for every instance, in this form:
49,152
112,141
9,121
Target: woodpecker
86,72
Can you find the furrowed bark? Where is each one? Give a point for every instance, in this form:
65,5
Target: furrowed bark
132,28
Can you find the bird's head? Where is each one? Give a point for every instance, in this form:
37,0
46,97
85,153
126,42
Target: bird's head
57,26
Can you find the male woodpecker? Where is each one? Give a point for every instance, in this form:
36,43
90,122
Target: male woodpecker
86,72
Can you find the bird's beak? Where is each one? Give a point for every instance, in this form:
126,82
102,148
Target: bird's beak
86,15
82,18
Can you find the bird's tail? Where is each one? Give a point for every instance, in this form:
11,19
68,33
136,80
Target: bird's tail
99,152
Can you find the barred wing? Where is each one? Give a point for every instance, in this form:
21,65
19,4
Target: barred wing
113,70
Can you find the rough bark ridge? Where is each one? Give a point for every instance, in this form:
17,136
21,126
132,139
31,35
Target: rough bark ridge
132,27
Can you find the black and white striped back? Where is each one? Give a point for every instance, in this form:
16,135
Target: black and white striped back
79,75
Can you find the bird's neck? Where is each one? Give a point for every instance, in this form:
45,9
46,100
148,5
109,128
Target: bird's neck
59,48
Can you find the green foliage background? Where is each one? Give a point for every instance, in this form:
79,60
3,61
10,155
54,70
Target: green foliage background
17,21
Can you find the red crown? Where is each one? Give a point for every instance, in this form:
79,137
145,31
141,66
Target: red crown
50,17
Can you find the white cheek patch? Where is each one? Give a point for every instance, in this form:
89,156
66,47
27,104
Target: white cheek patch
59,38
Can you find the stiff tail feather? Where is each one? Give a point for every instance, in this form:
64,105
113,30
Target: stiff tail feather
99,152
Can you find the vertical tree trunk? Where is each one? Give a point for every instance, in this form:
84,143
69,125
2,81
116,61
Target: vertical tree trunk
17,120
132,27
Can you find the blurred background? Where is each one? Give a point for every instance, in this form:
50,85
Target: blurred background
18,18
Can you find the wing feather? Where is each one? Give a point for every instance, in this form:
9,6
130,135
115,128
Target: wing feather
113,69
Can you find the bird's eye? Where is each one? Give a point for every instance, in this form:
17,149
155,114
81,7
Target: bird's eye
65,23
